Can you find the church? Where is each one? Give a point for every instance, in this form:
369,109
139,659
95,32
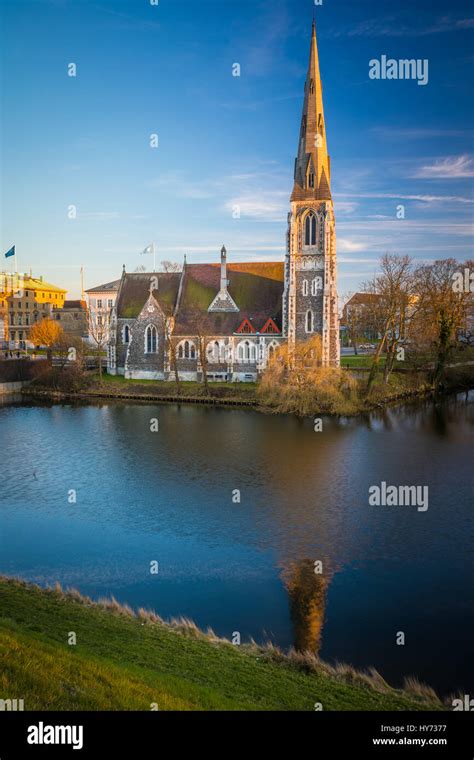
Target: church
226,319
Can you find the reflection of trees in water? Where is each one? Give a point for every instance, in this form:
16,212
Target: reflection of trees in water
307,596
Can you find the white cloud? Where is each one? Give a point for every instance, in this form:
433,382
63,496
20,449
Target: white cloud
400,196
452,167
262,207
349,246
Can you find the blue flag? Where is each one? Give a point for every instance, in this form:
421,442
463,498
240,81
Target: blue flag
11,252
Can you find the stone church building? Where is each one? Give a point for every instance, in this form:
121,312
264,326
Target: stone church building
239,313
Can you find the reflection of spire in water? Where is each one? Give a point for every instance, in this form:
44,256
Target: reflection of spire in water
307,595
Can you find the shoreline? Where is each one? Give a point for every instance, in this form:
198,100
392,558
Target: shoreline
113,637
254,404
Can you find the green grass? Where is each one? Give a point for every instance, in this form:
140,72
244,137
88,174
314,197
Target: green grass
246,391
127,662
361,360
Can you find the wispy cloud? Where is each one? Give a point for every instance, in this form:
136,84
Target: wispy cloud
420,133
452,167
349,246
269,206
398,26
404,197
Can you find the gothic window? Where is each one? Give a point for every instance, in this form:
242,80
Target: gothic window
126,334
311,180
309,326
305,287
310,229
187,350
271,349
316,283
151,340
311,87
246,352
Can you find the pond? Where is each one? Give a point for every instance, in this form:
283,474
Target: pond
256,524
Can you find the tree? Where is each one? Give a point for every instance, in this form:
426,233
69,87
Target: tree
171,348
295,381
46,333
201,329
69,349
394,288
443,306
98,323
170,266
356,319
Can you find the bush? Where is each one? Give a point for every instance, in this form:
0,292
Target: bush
298,383
69,379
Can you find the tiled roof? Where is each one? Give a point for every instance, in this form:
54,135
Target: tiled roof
256,288
107,287
75,305
135,289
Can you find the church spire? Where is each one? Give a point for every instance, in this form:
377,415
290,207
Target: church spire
312,165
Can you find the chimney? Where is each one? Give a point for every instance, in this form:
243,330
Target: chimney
224,282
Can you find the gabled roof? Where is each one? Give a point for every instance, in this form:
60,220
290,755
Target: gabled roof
256,288
246,327
135,289
270,327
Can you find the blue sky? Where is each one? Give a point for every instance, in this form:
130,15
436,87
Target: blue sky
225,140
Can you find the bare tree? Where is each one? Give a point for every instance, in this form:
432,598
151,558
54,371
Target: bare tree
201,329
97,323
170,266
357,320
171,348
444,300
394,287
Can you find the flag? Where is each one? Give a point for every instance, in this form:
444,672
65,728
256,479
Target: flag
148,249
11,252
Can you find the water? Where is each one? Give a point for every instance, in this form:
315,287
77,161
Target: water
170,497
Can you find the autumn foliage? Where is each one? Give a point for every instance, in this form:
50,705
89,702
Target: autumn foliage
296,382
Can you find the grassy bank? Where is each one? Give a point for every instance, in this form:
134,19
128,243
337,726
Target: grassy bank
312,399
127,661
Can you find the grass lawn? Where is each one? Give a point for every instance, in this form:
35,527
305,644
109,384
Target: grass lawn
127,662
167,388
361,360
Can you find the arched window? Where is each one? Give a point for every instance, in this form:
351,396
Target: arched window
310,230
316,283
151,340
305,287
126,334
311,180
187,350
271,349
309,321
246,352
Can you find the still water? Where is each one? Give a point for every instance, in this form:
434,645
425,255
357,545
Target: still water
172,497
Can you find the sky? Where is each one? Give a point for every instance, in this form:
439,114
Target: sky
166,69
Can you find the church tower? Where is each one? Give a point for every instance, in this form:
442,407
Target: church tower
310,297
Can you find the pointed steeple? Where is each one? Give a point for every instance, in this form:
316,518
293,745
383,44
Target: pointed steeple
312,165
